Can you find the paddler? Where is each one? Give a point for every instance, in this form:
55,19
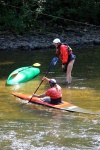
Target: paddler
54,94
64,52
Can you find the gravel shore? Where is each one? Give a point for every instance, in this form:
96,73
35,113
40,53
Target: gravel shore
43,40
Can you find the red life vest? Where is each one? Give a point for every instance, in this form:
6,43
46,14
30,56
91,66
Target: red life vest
64,52
55,92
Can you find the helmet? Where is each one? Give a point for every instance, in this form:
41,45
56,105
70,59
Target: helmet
55,41
52,82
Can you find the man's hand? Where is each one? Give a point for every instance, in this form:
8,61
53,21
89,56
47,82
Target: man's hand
35,95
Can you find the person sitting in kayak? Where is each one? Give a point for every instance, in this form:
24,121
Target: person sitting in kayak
54,94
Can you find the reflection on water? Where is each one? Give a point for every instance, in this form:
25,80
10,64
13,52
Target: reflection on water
25,126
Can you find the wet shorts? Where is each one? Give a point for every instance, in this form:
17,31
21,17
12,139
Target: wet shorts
71,57
52,101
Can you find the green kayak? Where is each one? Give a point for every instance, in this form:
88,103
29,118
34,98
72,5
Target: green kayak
22,74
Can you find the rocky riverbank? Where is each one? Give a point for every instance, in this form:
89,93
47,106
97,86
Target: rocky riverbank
43,40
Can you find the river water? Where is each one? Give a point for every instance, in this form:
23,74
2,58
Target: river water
25,126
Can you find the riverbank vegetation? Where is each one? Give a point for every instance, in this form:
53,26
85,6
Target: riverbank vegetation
21,16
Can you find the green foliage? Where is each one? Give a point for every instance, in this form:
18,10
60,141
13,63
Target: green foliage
20,16
77,10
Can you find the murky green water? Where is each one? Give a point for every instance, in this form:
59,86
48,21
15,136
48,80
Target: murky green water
32,127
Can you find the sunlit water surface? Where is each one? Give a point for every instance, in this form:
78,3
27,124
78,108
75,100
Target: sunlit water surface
25,126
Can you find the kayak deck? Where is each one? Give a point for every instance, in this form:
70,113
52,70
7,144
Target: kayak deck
22,74
63,106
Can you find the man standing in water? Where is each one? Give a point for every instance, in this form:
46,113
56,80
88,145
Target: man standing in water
67,57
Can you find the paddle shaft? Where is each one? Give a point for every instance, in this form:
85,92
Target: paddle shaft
40,84
53,63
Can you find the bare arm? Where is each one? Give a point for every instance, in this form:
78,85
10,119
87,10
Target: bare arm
46,79
40,96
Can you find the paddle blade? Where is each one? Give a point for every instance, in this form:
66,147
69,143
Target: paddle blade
54,61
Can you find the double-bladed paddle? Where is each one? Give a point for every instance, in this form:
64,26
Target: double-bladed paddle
35,65
53,63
